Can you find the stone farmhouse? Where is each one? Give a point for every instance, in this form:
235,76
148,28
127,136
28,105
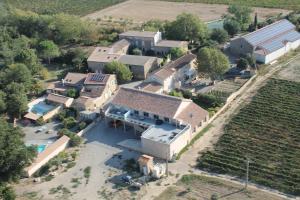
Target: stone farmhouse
268,43
164,124
173,75
140,66
94,89
152,41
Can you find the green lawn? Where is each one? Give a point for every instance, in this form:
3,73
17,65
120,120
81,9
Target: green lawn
76,7
285,4
268,132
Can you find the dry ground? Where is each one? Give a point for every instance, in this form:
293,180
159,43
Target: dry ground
290,72
202,188
144,10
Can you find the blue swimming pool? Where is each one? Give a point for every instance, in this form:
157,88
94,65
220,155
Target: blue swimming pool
41,108
41,148
218,24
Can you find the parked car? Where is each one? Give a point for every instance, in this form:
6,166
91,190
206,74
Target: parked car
43,128
126,179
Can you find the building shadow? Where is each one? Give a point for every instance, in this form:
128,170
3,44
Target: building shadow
105,136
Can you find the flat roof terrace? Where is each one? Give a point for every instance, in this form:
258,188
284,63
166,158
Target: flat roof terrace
163,133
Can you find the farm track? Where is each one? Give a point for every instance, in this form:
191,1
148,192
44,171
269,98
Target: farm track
188,160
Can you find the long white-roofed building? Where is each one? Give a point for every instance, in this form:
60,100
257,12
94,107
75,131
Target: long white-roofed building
268,43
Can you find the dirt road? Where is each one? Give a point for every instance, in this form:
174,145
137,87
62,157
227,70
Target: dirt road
143,10
188,160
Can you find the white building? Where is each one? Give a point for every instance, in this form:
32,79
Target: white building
268,43
173,75
164,124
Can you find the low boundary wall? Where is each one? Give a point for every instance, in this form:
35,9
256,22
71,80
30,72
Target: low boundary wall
50,152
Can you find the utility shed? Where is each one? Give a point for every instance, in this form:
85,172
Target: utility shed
268,43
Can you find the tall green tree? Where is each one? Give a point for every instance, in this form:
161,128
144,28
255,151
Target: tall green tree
67,27
242,14
16,100
30,59
219,35
177,52
6,192
187,27
212,62
14,154
232,26
122,71
48,50
17,73
2,102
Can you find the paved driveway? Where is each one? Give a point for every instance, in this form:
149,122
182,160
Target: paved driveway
104,157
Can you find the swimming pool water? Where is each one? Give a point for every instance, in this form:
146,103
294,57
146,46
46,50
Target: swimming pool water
218,24
41,148
41,108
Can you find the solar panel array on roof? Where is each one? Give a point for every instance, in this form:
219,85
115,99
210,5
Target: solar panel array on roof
97,77
269,32
278,42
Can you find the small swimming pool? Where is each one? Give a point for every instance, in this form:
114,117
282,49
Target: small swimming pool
41,108
218,24
40,148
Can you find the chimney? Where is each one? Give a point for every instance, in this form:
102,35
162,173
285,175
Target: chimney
63,82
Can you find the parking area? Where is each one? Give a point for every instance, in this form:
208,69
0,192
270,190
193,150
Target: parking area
104,157
44,134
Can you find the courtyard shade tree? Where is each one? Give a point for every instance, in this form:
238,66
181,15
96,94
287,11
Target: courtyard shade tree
122,71
212,62
177,52
48,50
242,64
187,27
219,35
232,26
16,100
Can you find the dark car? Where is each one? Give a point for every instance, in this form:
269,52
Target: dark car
159,122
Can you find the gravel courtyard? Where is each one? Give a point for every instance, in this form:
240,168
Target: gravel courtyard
101,153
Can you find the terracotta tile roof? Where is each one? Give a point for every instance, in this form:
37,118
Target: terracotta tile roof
120,44
192,114
170,68
103,54
151,86
171,43
74,78
136,60
32,116
138,34
57,98
93,92
162,105
83,100
182,61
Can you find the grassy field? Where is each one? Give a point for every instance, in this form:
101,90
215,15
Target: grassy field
285,4
76,7
192,187
268,132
